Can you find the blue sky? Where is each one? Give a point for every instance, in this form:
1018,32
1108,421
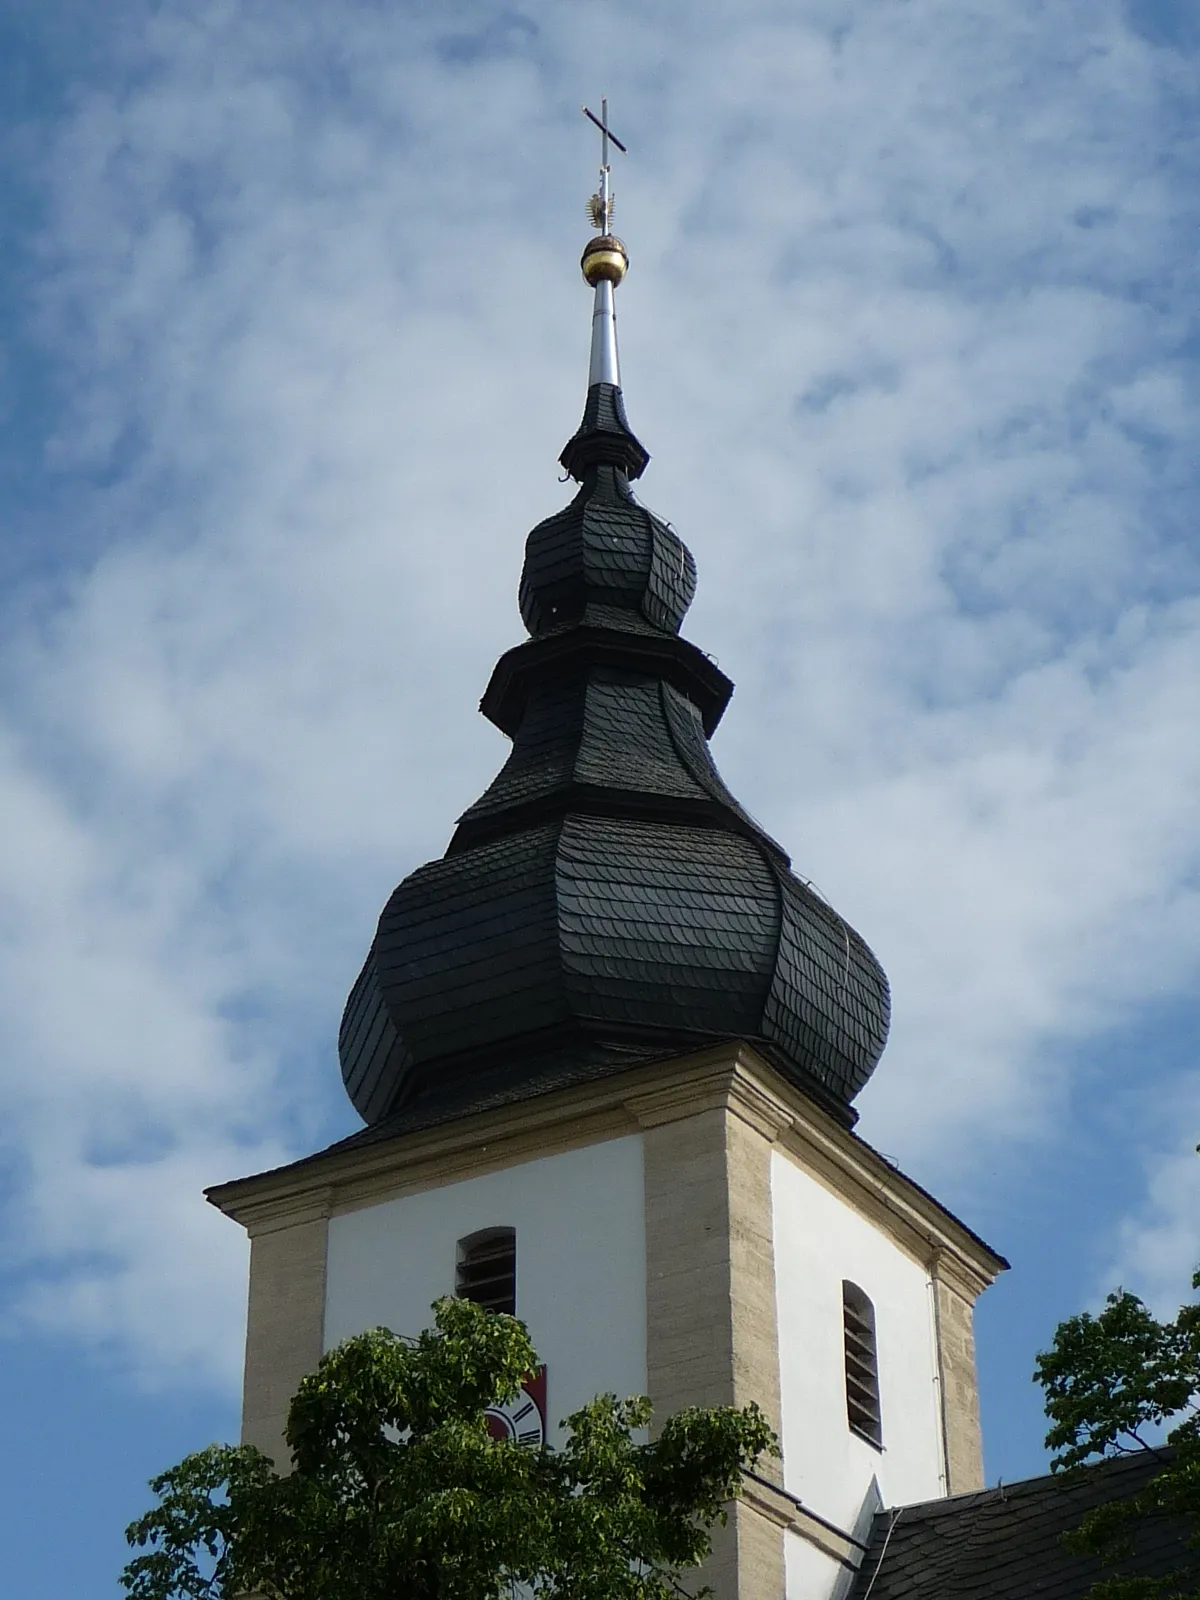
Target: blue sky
293,332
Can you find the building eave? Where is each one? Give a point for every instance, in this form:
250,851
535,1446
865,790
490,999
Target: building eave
359,1172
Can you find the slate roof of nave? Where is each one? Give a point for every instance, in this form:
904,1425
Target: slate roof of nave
1006,1543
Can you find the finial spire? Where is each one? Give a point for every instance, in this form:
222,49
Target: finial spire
604,435
605,262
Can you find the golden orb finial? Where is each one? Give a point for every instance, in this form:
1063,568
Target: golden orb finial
604,258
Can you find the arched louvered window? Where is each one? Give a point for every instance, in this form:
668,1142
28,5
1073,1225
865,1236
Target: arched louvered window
487,1269
862,1366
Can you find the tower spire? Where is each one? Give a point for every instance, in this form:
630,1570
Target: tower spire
604,434
606,900
605,262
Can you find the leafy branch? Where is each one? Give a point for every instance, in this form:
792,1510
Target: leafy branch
1114,1384
396,1487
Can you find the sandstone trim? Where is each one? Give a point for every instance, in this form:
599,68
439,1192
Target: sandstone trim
285,1322
732,1076
786,1511
748,1559
711,1322
962,1434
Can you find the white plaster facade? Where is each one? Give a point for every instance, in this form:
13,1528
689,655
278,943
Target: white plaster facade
579,1217
581,1264
809,1573
683,1231
820,1240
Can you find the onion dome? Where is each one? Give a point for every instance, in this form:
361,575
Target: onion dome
606,901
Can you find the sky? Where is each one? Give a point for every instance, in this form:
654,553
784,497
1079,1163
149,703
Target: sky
292,333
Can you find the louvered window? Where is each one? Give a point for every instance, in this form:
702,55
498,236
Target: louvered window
862,1366
487,1269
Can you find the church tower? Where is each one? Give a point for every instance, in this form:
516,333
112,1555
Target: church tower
605,1051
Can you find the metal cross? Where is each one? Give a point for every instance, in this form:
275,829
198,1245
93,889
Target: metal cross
600,206
606,132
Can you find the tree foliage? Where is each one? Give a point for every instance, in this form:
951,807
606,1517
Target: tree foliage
1118,1384
397,1489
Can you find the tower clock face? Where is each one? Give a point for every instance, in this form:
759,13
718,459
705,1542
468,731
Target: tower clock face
523,1420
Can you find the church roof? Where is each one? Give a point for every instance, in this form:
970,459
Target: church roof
1006,1543
607,899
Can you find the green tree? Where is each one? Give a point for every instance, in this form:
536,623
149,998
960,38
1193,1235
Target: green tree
397,1490
1117,1384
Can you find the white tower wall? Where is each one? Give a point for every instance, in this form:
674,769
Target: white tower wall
581,1264
820,1240
684,1231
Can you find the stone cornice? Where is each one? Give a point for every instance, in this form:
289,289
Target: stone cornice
270,1212
785,1511
754,1091
943,1244
731,1077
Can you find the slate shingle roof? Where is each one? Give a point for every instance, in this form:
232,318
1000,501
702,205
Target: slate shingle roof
606,898
1006,1543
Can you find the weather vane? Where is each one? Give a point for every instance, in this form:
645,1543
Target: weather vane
600,206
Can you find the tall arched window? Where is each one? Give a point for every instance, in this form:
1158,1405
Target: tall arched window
487,1269
862,1366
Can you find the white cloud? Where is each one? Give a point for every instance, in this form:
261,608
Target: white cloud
1156,1249
904,334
